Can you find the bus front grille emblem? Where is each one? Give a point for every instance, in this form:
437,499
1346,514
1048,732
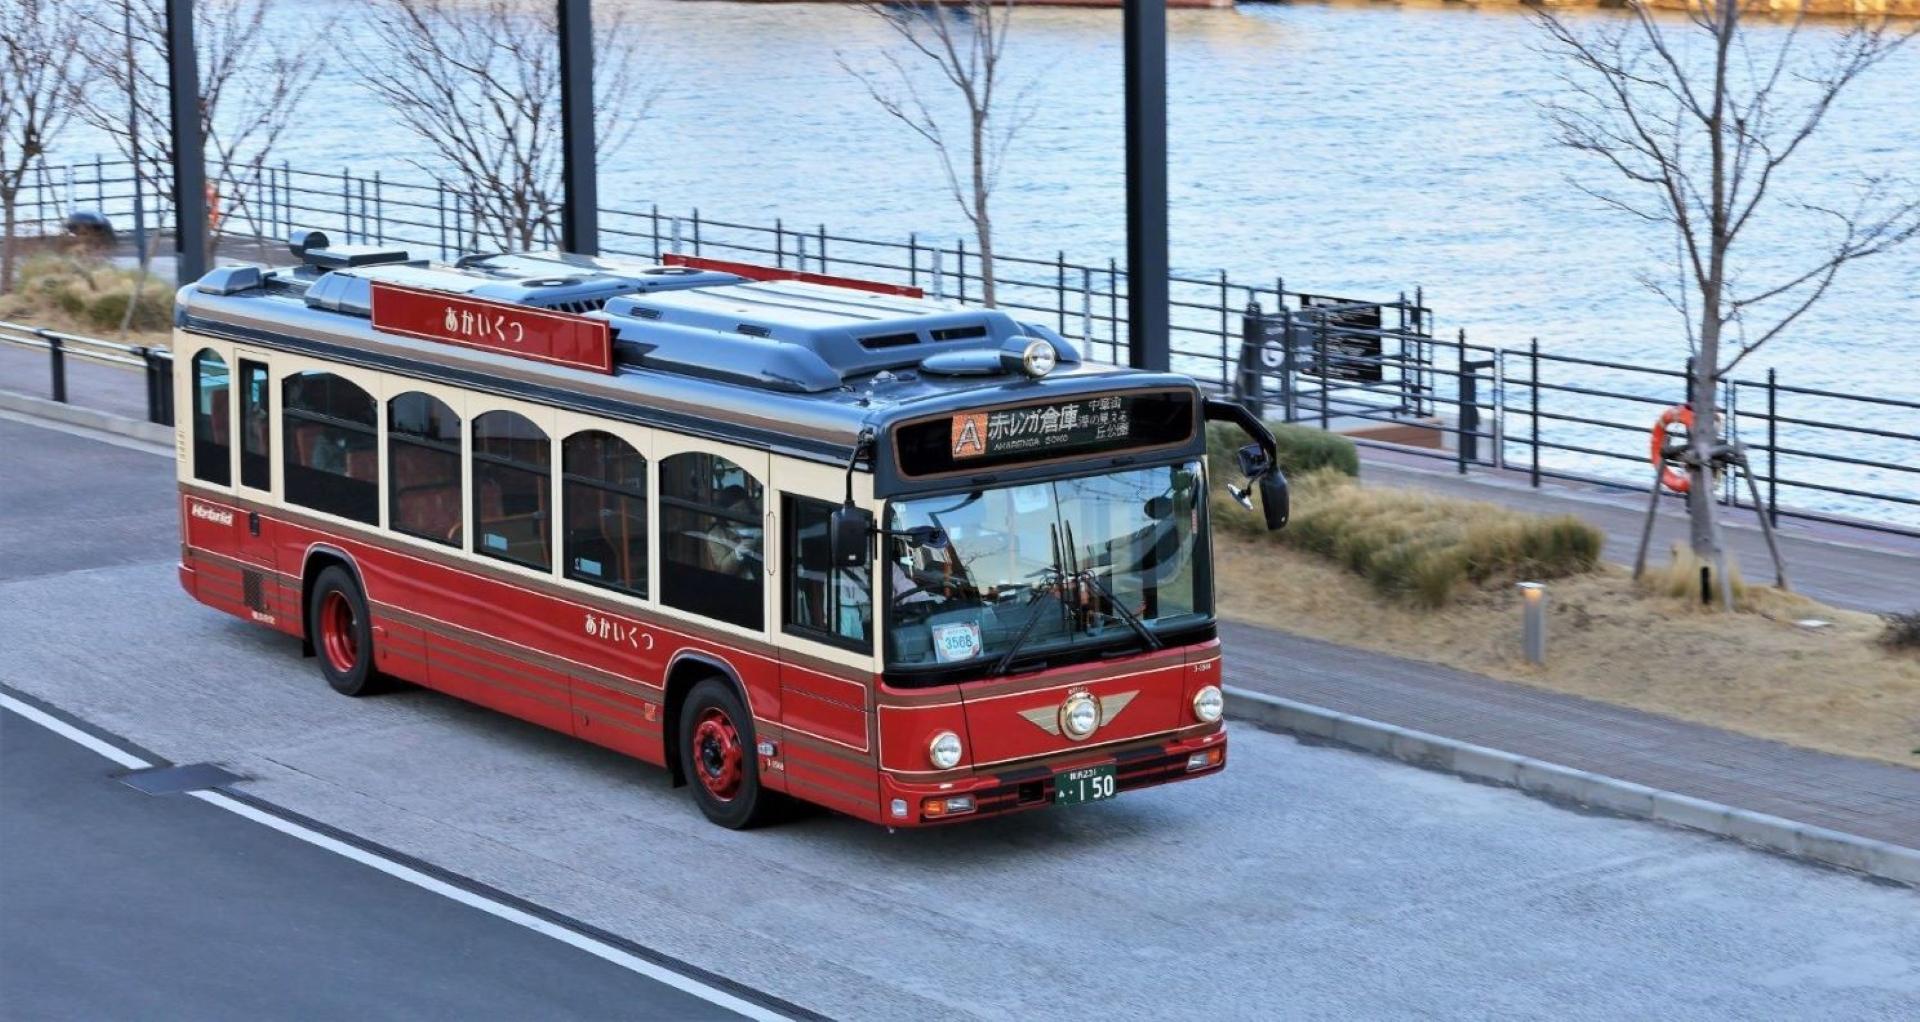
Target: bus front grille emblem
1061,720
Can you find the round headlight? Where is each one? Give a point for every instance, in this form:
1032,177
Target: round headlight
1079,715
1209,704
1039,358
944,750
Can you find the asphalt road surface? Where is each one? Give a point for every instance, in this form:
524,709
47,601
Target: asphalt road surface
1303,882
120,904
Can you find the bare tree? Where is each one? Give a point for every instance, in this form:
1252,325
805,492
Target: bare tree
252,81
41,80
478,84
966,43
1698,113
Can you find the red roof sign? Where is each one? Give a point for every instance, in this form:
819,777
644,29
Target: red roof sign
558,338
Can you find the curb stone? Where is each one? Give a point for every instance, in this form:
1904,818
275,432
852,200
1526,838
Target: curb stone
89,418
1537,777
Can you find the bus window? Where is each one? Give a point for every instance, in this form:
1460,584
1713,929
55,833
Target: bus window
211,445
512,490
605,541
824,602
423,452
710,539
256,427
332,446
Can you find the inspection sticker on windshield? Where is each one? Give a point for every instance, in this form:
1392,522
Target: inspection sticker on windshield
957,641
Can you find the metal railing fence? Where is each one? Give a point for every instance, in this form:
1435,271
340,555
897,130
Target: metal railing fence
1818,454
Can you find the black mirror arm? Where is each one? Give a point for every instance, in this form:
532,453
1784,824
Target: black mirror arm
862,447
1218,410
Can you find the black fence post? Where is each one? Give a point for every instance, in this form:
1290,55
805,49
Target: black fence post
1320,363
1060,289
1252,337
1773,449
57,362
780,243
1533,380
1287,366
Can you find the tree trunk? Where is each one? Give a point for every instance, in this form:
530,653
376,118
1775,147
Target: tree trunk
6,245
982,220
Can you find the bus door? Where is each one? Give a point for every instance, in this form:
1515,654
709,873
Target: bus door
825,623
254,424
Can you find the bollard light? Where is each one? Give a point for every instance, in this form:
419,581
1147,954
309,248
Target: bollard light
1533,621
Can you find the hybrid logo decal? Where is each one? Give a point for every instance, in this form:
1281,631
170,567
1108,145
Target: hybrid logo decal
207,513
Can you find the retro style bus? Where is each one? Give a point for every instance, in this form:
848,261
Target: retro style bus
788,536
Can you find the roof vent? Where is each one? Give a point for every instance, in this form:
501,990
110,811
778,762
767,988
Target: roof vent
892,341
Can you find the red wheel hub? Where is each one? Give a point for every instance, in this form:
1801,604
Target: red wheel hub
717,756
337,634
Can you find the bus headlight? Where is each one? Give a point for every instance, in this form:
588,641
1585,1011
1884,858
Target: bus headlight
944,750
1079,715
1209,704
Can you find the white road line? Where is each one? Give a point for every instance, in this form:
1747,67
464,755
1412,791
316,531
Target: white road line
597,948
73,734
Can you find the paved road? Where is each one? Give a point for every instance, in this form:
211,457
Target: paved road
120,904
1305,881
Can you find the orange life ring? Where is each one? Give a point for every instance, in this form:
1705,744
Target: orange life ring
1670,475
213,207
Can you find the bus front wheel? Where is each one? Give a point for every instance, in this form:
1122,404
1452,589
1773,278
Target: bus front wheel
342,633
718,757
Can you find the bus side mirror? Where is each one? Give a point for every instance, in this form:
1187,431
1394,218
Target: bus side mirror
1275,501
848,530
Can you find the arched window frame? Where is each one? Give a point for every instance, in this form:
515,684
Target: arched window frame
330,457
409,452
630,514
520,534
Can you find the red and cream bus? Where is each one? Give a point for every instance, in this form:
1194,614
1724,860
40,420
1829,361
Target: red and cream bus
788,536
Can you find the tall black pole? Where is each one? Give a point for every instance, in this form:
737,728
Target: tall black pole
579,210
1146,60
189,149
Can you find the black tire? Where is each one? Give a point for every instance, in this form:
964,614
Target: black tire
342,634
703,759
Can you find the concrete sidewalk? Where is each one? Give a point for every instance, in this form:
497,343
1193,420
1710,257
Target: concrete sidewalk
1861,797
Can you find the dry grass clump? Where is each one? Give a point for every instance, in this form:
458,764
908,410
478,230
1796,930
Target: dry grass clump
1680,579
1901,631
1303,449
84,294
1421,547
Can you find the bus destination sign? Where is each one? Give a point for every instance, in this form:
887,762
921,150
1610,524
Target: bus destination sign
973,440
557,338
1062,426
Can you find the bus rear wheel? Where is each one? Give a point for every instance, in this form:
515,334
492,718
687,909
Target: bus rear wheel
342,633
718,757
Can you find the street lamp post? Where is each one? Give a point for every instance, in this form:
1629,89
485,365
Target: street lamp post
579,212
189,149
1146,85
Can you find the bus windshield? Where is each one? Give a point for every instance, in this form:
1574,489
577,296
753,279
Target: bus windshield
1039,569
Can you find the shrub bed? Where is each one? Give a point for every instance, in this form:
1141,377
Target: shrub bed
89,294
1421,547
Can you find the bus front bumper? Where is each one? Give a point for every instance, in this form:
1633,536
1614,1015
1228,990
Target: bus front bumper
1034,783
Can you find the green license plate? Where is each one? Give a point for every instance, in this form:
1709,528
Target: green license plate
1087,784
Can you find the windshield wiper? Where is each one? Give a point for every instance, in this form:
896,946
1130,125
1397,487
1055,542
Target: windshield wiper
1133,620
1054,576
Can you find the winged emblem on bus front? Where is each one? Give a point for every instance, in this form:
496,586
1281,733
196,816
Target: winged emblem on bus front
1060,719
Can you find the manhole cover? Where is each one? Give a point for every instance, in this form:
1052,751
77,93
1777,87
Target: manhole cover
175,779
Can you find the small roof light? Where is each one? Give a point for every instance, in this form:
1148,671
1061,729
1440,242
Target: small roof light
1038,358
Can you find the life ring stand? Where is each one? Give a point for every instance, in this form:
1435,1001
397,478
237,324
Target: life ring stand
1671,475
